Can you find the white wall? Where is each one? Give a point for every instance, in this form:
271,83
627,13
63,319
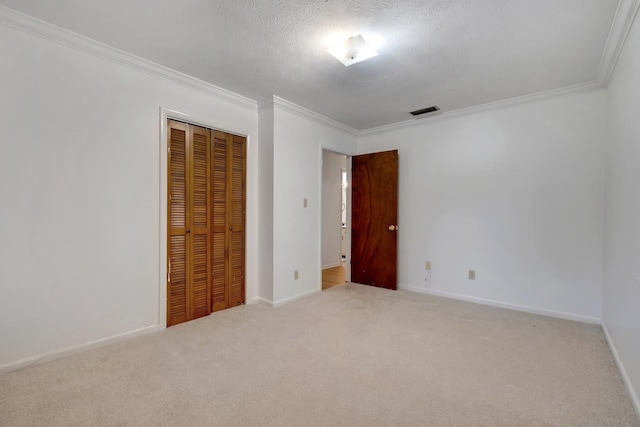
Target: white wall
298,144
332,165
80,223
265,194
621,296
514,193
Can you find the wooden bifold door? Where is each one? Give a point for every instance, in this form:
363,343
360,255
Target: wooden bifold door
206,212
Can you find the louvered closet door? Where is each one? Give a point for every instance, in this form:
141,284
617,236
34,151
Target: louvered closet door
177,292
189,216
229,154
220,299
199,232
206,238
237,218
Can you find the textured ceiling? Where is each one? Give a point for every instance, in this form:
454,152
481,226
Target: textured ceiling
453,53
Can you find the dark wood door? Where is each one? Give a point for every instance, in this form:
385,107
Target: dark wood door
374,219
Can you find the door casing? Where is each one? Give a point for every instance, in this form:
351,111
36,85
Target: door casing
165,114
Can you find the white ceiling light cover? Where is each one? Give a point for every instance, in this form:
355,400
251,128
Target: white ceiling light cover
352,50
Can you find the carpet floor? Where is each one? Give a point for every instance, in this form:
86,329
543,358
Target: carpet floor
350,356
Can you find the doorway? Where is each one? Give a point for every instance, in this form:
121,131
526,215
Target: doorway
205,219
335,216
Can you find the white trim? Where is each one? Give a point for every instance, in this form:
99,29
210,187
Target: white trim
500,304
320,211
282,302
622,22
582,87
265,104
162,232
633,396
284,105
84,44
165,114
68,351
332,265
262,301
207,123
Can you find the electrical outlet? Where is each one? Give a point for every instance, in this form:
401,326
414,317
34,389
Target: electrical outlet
304,203
295,274
427,265
472,275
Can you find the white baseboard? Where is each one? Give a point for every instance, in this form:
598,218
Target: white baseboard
334,264
295,298
68,351
635,401
526,309
263,301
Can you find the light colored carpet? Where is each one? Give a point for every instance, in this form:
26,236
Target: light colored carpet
352,355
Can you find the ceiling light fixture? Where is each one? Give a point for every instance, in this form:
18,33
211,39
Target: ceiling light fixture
352,50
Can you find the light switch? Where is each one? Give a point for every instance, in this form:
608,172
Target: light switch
304,203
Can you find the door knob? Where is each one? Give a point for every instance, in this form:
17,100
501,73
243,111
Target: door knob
392,227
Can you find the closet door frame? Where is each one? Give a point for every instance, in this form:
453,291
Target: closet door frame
165,115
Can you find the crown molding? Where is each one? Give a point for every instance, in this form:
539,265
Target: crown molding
265,104
625,15
579,88
283,104
29,24
622,22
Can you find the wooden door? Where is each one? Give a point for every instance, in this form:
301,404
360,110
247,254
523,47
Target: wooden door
206,216
229,159
237,164
220,219
374,219
189,241
198,232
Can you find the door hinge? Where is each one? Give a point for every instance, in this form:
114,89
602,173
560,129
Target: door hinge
169,273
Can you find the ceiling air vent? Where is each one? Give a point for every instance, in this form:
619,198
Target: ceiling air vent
425,111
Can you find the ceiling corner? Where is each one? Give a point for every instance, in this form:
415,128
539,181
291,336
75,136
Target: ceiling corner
266,103
283,104
622,22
